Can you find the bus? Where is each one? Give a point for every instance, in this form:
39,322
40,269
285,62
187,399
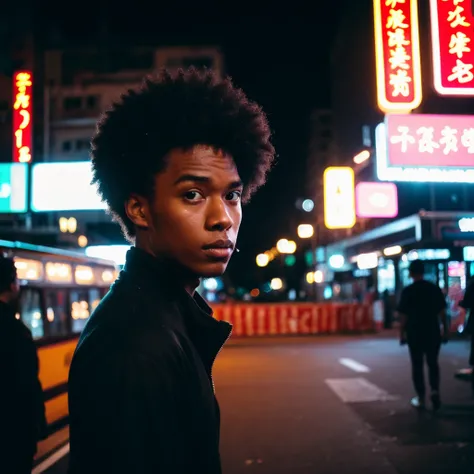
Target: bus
59,289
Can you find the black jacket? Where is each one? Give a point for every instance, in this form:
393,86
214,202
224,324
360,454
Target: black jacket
22,412
141,396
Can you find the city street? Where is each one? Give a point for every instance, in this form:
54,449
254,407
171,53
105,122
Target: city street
336,405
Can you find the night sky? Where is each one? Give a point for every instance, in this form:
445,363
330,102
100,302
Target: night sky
280,58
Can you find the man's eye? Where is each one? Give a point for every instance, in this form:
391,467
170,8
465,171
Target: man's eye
234,196
193,196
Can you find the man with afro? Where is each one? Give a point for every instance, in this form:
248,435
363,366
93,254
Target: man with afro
174,160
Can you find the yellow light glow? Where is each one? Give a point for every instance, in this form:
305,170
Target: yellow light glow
291,247
84,275
262,260
28,269
361,157
395,250
339,197
59,272
305,231
63,224
71,225
282,245
276,284
310,277
383,101
108,276
82,241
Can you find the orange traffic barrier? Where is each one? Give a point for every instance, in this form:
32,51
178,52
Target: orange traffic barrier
295,318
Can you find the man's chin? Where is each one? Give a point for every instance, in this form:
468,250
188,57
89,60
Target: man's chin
215,269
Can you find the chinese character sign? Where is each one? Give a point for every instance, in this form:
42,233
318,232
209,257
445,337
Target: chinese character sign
22,117
431,148
452,31
339,197
397,54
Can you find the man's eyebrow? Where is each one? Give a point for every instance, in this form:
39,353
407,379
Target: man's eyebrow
193,178
204,179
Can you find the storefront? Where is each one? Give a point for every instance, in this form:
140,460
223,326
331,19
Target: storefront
374,265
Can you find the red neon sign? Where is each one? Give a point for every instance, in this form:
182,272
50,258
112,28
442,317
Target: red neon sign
452,31
397,49
22,117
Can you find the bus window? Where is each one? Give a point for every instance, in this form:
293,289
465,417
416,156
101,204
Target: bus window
80,309
30,311
56,318
94,298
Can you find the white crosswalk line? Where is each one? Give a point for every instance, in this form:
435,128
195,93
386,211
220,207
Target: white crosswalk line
53,459
358,390
354,365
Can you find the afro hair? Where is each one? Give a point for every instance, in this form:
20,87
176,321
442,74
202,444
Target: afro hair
176,111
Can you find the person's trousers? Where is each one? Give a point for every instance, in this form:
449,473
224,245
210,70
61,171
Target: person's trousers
419,352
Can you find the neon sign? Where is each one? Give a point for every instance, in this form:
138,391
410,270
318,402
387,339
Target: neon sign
22,117
376,200
426,148
397,54
466,224
452,39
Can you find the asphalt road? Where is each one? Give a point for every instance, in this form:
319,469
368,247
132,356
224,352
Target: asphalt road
336,405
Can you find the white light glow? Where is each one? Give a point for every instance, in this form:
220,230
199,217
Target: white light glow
115,253
64,187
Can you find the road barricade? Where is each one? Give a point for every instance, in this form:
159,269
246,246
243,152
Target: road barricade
269,319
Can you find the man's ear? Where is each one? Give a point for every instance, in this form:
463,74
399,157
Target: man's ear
137,209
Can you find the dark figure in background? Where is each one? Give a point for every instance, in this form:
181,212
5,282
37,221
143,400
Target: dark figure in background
468,304
422,309
22,414
174,161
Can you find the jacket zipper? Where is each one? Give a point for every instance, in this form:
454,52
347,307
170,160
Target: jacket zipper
215,357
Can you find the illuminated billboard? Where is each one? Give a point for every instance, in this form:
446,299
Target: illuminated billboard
64,187
397,55
378,200
22,117
339,197
13,187
426,148
452,40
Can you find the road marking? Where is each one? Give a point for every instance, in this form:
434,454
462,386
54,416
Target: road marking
354,365
358,390
53,459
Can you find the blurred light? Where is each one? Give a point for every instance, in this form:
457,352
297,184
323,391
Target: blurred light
210,284
114,253
292,295
310,277
64,187
466,224
339,197
395,250
267,288
291,247
327,293
336,261
361,157
255,292
82,241
308,205
318,276
108,276
305,231
367,261
282,245
276,284
290,260
262,259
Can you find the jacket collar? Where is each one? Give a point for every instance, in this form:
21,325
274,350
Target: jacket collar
158,276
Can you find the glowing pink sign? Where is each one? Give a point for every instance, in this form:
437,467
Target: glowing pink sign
376,200
429,148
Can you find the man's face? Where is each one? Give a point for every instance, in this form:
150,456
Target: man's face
195,213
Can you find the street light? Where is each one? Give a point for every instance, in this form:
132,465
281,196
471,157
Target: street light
305,231
262,259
